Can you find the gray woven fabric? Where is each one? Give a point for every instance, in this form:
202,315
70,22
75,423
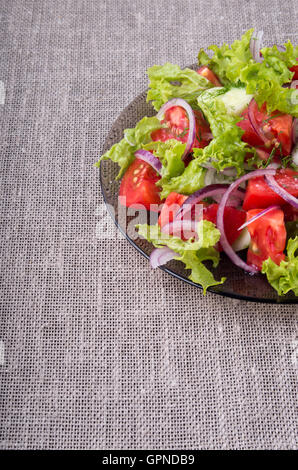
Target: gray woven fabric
97,350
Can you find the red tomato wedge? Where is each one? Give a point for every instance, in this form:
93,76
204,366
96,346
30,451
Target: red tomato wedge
259,195
171,206
268,237
277,128
249,136
233,219
207,73
177,127
295,70
138,186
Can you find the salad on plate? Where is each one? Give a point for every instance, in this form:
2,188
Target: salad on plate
219,162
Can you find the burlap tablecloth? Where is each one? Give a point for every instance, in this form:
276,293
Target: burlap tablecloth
96,349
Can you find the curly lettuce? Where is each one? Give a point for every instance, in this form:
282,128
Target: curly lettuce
123,152
226,149
190,180
228,61
284,277
191,252
170,81
174,175
265,80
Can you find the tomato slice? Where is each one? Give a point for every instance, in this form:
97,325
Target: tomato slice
268,237
207,73
233,219
260,195
277,128
171,206
138,186
249,136
177,124
295,70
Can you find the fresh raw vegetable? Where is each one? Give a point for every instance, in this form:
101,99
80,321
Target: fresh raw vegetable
138,186
177,127
207,73
218,162
260,195
268,237
190,125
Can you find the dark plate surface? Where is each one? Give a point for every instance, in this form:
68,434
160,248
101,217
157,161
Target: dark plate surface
238,285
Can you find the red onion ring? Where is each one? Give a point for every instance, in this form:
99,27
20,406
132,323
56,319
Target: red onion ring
255,46
260,214
161,256
273,184
191,118
181,228
220,222
207,191
256,127
234,201
149,158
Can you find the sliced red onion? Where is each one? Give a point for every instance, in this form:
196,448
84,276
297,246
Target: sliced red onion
260,214
234,201
294,84
220,222
295,131
208,191
191,118
148,157
256,127
181,228
285,195
256,45
161,256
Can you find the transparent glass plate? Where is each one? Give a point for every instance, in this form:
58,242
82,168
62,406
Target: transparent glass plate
239,285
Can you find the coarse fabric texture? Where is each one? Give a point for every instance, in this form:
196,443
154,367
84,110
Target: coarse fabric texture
96,349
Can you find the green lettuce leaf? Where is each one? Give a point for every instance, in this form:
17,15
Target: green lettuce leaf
264,80
174,175
123,152
228,61
284,277
191,252
289,56
192,179
170,81
226,149
170,155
